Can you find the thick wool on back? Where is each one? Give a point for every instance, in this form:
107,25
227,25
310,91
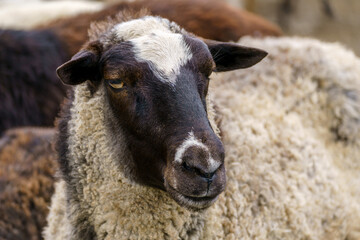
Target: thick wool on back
291,131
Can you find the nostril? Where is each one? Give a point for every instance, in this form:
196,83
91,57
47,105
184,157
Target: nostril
207,175
187,167
198,171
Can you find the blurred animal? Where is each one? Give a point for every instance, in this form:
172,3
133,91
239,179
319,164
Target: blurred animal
30,93
27,168
28,14
291,132
208,19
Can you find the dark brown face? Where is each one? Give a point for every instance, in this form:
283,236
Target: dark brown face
156,86
166,123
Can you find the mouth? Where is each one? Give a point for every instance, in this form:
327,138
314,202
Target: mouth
190,202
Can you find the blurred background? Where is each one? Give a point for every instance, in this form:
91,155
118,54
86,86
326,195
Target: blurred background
328,20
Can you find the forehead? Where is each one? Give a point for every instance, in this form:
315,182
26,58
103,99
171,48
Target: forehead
160,43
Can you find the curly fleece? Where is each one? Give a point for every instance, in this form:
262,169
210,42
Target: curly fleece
291,131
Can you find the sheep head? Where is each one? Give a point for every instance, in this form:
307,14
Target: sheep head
156,78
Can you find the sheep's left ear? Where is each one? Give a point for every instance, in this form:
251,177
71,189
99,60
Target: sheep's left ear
231,56
83,66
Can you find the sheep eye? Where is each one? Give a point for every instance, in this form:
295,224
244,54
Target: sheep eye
116,84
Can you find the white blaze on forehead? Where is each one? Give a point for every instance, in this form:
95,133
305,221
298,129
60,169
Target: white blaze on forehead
167,52
191,141
143,26
158,42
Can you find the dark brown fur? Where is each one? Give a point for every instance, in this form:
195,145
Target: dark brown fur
27,167
30,92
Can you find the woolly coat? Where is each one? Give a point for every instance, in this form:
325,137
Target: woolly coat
291,131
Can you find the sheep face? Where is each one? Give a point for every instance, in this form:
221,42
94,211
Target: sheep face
156,82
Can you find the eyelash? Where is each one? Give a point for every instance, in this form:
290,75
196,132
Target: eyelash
116,84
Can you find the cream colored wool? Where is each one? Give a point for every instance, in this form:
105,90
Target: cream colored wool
291,131
30,14
58,214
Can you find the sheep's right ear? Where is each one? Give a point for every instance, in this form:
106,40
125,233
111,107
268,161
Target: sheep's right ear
82,66
230,56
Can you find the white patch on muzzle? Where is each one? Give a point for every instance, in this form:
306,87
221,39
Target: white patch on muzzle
192,141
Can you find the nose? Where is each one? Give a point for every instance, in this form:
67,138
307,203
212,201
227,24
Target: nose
200,171
199,160
197,170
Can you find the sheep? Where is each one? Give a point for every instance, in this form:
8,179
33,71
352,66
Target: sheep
27,182
30,92
142,121
26,15
289,126
290,129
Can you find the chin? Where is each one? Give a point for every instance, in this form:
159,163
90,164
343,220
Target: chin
191,202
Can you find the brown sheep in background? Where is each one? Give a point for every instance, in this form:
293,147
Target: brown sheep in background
206,18
26,181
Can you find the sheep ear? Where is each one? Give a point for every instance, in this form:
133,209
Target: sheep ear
231,56
82,66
